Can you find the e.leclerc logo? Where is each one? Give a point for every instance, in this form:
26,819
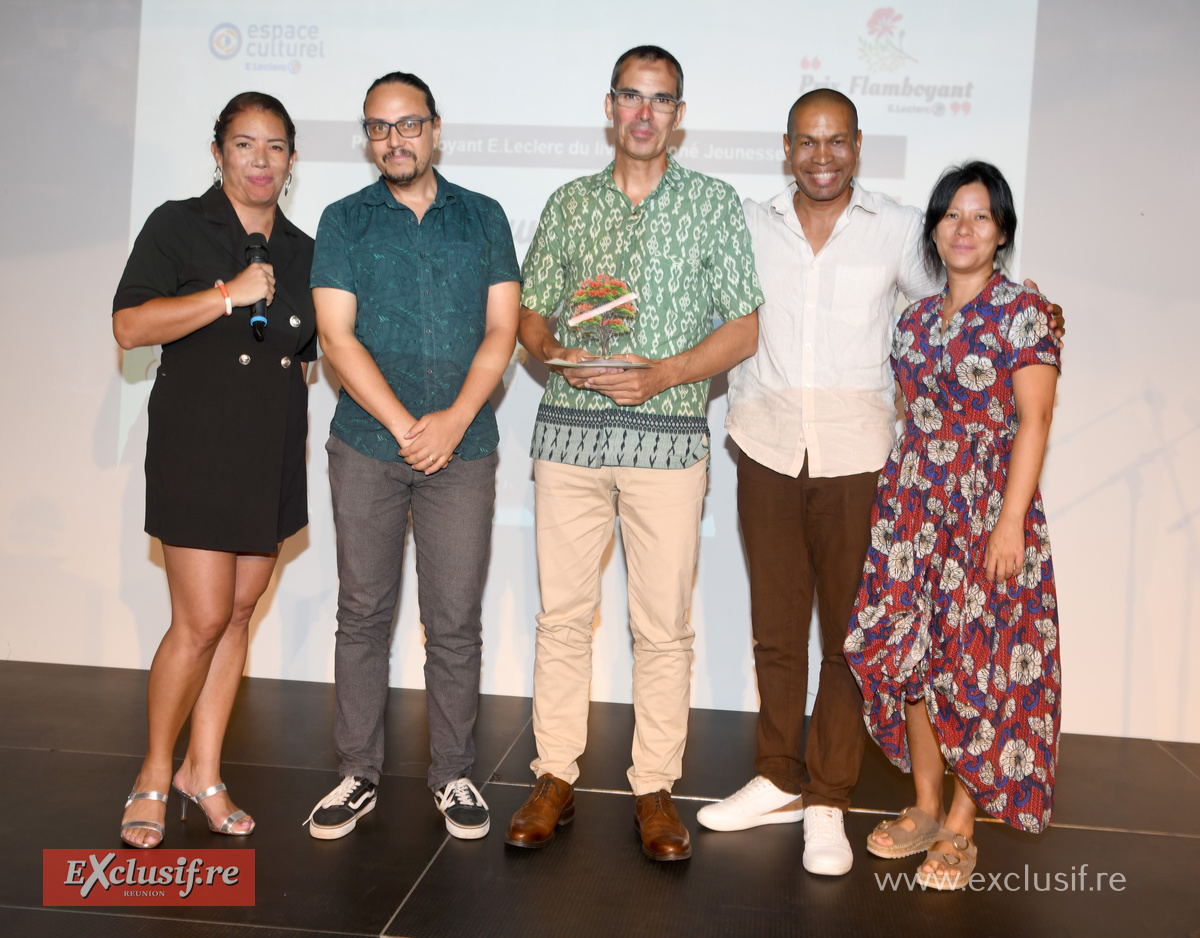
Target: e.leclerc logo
268,47
225,41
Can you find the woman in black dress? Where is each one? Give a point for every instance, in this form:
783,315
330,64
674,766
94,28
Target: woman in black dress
225,470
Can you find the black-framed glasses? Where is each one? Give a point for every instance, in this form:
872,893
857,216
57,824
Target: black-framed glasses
631,100
409,127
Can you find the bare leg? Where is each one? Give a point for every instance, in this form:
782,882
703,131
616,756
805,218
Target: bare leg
961,820
202,589
928,769
202,764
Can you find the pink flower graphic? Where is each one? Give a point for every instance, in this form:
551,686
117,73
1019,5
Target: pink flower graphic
886,51
883,22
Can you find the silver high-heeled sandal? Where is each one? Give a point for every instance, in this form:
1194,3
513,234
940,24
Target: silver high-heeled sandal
153,826
226,826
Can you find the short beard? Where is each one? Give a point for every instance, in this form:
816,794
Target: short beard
406,178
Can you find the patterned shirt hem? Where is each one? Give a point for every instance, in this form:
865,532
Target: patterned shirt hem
618,437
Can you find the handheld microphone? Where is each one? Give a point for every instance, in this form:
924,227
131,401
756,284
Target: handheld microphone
256,253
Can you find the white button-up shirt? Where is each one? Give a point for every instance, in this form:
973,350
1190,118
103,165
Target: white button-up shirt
821,381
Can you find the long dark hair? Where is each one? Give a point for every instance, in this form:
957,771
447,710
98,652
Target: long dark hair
1004,214
253,101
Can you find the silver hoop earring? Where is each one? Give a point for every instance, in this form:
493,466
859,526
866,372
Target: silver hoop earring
218,177
287,185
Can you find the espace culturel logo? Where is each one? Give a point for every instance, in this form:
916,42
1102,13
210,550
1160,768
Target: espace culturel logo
225,41
277,46
139,877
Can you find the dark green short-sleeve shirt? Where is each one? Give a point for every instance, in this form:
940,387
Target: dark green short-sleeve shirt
422,293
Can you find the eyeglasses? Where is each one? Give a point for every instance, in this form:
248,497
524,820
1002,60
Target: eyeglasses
409,127
631,100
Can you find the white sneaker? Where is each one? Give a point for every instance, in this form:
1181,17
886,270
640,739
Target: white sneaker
756,803
826,850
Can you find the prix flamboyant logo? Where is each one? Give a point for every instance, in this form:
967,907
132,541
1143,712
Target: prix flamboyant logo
225,41
129,877
886,51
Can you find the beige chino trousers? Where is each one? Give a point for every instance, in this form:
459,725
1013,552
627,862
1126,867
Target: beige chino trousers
575,510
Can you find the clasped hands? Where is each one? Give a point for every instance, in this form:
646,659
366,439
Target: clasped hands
429,444
626,386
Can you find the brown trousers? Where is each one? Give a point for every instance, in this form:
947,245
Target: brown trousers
805,536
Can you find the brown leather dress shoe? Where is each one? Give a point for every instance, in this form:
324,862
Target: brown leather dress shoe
551,804
663,835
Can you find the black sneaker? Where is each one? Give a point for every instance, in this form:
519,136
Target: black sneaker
465,810
336,814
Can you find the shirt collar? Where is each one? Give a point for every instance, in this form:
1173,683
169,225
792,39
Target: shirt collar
673,177
860,198
380,194
218,208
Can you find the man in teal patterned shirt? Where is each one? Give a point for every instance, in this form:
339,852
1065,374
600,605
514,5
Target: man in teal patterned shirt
632,441
416,286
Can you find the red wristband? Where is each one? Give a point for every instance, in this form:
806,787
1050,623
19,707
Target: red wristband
220,285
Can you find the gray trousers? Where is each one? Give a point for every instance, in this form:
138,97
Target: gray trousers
452,530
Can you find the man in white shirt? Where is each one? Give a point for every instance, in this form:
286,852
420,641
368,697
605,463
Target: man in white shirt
813,413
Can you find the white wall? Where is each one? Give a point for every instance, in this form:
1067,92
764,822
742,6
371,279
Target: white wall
1110,191
1113,189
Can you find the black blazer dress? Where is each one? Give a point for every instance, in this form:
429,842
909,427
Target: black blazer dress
228,415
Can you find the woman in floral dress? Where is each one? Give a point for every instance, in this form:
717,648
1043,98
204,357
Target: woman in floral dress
954,639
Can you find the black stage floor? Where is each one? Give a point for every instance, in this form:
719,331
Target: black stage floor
71,740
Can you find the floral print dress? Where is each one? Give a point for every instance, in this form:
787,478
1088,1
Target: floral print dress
927,622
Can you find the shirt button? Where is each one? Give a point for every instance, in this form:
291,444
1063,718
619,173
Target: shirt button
285,361
422,254
428,331
295,321
427,293
244,358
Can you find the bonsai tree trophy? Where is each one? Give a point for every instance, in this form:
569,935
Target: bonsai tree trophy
602,309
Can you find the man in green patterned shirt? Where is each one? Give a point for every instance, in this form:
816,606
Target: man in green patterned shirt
632,441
